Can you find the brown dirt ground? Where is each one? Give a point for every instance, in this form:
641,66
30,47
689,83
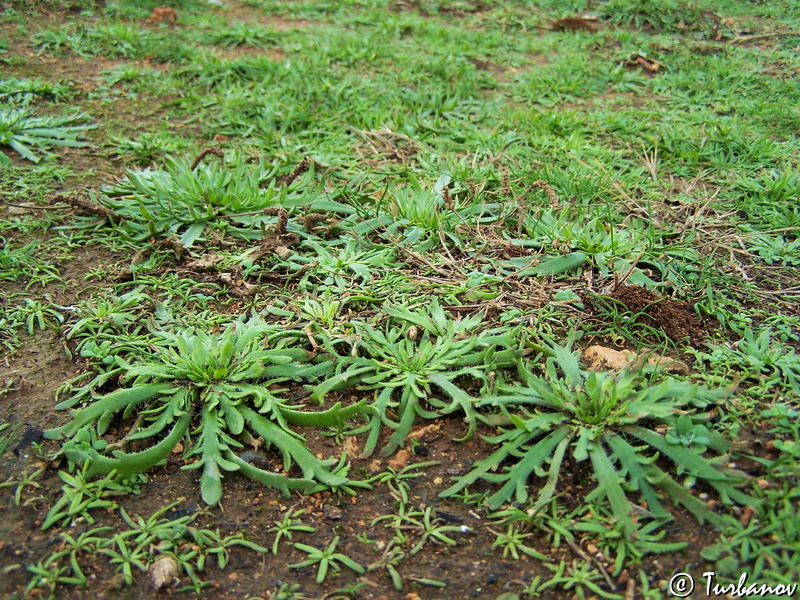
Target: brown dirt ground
673,317
472,569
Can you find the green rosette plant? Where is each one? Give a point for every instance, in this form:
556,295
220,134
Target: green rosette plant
214,392
187,201
411,364
622,423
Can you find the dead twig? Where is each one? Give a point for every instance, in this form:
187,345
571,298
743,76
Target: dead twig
203,153
170,243
88,206
591,559
419,258
749,38
29,206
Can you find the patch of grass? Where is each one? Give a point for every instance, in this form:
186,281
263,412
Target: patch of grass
148,147
25,263
32,182
134,545
768,362
8,435
415,204
13,89
658,15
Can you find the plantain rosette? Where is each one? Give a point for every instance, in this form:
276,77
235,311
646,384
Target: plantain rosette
622,424
213,391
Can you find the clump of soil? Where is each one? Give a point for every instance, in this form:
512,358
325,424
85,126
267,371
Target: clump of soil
673,317
576,24
163,15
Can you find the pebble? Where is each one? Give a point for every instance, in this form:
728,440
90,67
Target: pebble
334,513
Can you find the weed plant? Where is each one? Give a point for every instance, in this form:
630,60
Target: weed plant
213,390
27,134
613,421
188,202
403,370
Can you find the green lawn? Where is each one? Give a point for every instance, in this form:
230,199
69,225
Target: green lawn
399,298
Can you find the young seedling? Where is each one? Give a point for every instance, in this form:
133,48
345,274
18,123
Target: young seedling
286,527
512,541
397,480
80,494
325,558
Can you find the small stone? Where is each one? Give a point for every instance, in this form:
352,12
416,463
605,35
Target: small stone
178,448
438,481
429,431
334,513
421,450
163,571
